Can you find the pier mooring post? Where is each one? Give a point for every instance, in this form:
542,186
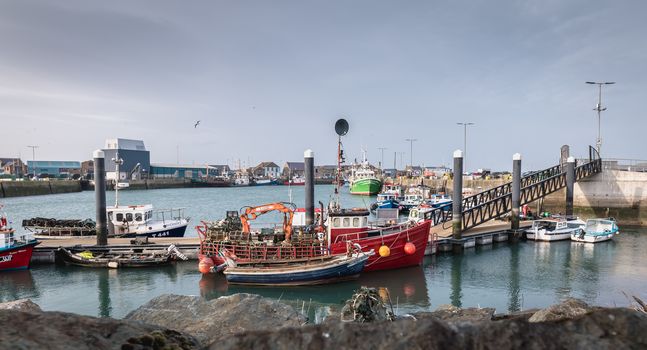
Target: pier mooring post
457,196
309,165
570,184
100,196
516,189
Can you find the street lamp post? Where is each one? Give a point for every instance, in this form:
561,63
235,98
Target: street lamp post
411,149
465,125
33,157
382,161
599,108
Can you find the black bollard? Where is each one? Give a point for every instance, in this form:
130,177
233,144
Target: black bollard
309,165
570,185
100,196
516,189
457,196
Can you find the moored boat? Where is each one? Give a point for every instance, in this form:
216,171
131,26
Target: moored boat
363,180
327,269
551,229
15,249
107,259
387,201
596,230
397,246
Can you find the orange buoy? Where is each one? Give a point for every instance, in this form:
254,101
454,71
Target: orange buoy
409,248
205,265
384,251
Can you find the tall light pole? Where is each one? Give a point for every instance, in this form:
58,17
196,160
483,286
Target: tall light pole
33,157
411,149
465,125
599,108
382,162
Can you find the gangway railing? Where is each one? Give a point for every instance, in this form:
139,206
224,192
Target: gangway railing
497,201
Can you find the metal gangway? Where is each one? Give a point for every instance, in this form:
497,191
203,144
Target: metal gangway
495,202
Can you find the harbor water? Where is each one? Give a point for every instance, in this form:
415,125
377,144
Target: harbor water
508,277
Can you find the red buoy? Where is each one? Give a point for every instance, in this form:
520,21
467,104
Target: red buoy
205,265
409,248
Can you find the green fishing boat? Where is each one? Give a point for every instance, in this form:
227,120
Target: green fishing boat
363,180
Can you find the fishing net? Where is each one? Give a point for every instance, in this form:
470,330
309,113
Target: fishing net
366,305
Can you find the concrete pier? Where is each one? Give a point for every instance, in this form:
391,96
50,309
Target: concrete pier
100,197
457,195
570,185
516,189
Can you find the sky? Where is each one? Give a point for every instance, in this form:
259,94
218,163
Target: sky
268,79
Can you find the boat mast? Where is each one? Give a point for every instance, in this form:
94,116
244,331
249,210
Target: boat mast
118,161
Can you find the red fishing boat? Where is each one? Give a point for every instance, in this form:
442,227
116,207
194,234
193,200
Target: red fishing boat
395,246
15,249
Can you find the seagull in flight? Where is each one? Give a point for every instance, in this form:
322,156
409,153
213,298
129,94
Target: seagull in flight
196,124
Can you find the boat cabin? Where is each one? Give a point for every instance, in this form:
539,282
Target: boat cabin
383,197
413,198
130,215
347,222
549,225
600,226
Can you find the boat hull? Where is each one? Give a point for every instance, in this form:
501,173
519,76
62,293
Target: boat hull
68,258
366,187
541,235
177,231
338,269
586,238
17,257
398,258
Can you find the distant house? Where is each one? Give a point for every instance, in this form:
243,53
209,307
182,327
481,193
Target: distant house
87,169
266,170
413,170
12,166
436,172
392,173
292,169
325,171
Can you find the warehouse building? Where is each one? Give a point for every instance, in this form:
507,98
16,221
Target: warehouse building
136,159
179,171
53,168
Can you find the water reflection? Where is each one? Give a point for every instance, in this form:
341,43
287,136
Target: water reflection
103,277
17,285
514,287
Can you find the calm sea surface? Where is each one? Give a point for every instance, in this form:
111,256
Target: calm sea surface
509,277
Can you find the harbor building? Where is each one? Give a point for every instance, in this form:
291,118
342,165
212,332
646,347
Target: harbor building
53,168
12,166
266,170
180,171
293,169
136,159
325,171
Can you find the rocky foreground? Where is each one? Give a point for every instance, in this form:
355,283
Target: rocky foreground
245,321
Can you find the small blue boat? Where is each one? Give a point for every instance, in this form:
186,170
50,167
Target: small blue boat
329,269
387,201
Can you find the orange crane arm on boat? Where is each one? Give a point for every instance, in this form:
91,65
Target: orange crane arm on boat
251,213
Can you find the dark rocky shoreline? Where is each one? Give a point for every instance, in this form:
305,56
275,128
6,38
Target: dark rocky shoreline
245,321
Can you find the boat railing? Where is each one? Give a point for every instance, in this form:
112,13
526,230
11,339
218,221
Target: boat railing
345,237
169,214
10,238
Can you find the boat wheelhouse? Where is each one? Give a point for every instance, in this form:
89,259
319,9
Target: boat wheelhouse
596,230
143,220
387,201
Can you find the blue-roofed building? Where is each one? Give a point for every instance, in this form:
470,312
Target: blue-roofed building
53,168
175,171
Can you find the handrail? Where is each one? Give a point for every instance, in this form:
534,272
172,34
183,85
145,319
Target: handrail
406,225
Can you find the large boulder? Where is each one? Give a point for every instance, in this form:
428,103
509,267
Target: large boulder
599,329
213,320
568,308
21,305
59,330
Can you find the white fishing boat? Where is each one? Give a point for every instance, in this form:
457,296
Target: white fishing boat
143,220
551,229
241,178
596,230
